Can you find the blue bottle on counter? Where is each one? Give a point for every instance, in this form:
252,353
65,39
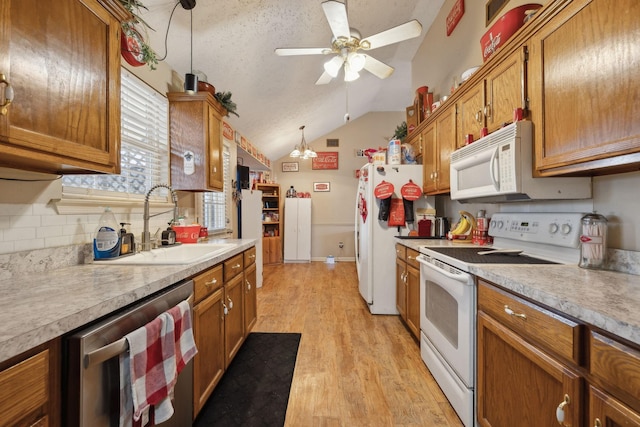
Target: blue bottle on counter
106,243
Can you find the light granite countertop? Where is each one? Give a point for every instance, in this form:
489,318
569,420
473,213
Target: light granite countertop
609,300
37,307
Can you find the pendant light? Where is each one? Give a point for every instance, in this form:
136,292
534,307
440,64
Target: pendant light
190,79
303,150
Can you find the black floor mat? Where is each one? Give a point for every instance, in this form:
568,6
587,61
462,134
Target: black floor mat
254,390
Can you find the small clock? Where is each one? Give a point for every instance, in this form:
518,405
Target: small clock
131,47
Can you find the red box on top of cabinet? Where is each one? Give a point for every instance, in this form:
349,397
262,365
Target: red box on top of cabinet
504,28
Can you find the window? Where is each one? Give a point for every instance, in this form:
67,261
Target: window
144,147
215,204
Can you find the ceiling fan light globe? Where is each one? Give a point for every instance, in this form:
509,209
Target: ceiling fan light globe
295,153
356,61
350,75
313,154
332,66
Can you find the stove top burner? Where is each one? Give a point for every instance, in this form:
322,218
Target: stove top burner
470,255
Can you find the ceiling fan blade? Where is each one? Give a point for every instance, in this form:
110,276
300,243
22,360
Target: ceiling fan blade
402,32
286,51
377,68
324,79
336,14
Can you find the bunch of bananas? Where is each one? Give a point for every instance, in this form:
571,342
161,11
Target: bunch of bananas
466,224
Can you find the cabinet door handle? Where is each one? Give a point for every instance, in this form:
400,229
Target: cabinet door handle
225,309
248,285
561,408
487,110
8,95
230,303
479,116
510,312
597,423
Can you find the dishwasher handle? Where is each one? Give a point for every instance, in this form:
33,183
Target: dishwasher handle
111,350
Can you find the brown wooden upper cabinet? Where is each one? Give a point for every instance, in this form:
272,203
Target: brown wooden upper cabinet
584,82
491,102
438,139
63,64
195,133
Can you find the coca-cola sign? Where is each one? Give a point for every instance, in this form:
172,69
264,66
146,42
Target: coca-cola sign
325,160
454,16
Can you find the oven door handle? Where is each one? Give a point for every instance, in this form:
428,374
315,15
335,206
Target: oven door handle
461,277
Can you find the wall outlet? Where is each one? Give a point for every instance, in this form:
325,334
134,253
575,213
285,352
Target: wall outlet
360,152
340,245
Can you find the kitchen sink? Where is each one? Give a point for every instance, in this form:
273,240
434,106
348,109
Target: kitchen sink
174,255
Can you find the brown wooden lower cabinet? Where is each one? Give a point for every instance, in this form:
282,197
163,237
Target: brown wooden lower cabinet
520,385
220,320
30,388
271,250
533,364
408,288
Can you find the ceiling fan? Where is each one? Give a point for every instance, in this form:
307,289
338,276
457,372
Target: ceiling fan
347,45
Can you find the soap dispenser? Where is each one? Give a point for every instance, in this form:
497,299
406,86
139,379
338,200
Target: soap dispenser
106,241
127,240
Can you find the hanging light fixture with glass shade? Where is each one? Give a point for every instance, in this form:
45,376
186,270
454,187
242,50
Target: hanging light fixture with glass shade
303,150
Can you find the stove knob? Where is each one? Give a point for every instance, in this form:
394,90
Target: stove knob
566,229
553,228
496,224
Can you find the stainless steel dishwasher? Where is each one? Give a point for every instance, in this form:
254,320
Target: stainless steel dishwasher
91,372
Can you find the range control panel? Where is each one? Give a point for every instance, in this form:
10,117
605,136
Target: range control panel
558,229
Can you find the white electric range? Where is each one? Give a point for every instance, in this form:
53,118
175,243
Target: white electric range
448,292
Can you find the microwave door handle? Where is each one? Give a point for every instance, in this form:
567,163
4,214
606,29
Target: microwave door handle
494,170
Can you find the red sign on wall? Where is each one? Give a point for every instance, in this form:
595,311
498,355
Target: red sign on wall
454,16
325,160
227,131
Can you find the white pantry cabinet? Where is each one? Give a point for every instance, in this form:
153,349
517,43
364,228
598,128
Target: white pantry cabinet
297,230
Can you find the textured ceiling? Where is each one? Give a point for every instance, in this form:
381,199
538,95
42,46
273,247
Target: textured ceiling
233,44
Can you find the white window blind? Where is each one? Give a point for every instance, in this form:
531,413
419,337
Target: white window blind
215,205
144,146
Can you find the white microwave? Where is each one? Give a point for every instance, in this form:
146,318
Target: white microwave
499,168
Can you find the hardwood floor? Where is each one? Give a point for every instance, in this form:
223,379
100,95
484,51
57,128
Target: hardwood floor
353,368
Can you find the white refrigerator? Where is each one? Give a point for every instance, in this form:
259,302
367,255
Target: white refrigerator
374,238
250,209
297,229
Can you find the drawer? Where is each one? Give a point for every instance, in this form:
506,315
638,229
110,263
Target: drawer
206,283
249,256
412,257
233,266
24,388
401,251
534,323
615,363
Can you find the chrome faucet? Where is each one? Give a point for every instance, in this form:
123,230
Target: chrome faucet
146,236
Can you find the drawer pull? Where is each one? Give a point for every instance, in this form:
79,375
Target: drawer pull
560,410
212,282
252,256
513,313
236,266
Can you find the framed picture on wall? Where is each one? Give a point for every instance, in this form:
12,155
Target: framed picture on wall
289,166
320,187
325,160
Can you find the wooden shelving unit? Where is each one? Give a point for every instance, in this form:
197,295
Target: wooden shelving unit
271,223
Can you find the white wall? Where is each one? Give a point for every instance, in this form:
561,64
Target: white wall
333,213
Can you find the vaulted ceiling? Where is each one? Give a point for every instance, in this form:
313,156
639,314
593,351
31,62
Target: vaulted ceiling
233,45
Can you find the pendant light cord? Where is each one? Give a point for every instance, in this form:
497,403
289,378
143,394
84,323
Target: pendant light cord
191,40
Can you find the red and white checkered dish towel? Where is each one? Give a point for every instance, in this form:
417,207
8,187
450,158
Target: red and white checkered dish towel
185,344
152,372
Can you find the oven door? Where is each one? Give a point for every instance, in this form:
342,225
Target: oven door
447,314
